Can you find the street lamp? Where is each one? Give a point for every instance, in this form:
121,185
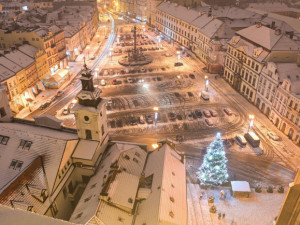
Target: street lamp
154,146
96,73
159,40
118,39
88,48
155,113
110,53
206,83
178,55
251,118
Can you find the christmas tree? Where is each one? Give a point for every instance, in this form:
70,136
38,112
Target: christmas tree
213,170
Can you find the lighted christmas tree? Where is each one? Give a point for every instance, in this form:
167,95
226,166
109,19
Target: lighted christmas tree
213,170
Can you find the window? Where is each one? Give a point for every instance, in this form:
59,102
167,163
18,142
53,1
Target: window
2,112
135,160
16,164
137,154
102,130
25,144
3,140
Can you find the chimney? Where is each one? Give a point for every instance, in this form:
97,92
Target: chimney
291,34
273,25
258,24
277,32
209,11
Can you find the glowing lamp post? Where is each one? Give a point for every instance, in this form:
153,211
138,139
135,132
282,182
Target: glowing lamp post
154,146
178,55
96,73
251,118
118,39
159,40
110,53
155,114
206,83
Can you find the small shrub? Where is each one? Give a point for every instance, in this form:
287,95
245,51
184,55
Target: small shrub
258,189
270,189
211,199
213,209
280,189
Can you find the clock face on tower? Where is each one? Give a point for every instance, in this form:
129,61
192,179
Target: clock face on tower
86,119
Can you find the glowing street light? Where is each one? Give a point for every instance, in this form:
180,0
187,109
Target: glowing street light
96,73
110,53
154,146
155,113
251,118
74,101
118,39
159,40
206,83
178,55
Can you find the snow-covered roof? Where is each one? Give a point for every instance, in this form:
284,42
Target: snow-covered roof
123,189
291,72
5,62
178,11
28,50
20,58
12,216
47,143
89,204
5,73
240,186
167,202
85,149
261,35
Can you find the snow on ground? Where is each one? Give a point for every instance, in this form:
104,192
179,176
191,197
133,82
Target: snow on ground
258,209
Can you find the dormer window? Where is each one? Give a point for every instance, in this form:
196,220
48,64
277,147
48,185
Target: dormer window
16,164
257,52
3,140
25,144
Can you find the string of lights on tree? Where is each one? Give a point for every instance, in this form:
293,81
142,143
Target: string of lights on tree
213,170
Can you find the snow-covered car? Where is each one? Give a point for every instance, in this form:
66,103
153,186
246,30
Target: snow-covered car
59,93
109,101
130,80
198,114
168,54
206,113
189,115
273,136
240,140
209,122
172,116
143,70
142,119
103,82
66,111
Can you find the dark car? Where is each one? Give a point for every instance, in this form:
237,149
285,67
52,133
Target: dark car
178,64
149,119
172,116
112,124
114,81
190,94
179,117
133,121
198,113
192,76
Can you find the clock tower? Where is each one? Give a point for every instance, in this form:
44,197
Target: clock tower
90,110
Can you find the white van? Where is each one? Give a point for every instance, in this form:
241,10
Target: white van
241,140
205,95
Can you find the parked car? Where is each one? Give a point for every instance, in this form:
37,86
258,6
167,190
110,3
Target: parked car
66,111
172,116
109,101
209,122
189,115
178,64
190,94
103,82
205,95
179,117
142,119
252,138
240,140
198,113
59,93
149,119
228,111
192,76
177,82
273,136
213,113
206,113
133,121
143,70
130,80
114,81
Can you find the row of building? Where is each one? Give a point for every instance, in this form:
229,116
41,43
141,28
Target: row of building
245,47
36,47
80,175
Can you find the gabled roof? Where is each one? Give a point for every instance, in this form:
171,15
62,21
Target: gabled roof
48,143
267,38
178,11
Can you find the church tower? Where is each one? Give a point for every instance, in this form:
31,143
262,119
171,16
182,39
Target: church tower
90,110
